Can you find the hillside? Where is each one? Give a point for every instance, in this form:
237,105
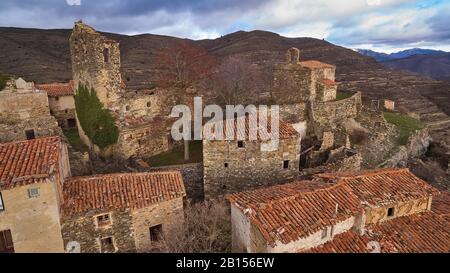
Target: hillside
433,66
43,56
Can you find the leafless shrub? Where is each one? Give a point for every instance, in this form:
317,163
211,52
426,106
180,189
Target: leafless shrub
207,229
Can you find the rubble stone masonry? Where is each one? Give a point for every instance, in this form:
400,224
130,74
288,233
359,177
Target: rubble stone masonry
228,168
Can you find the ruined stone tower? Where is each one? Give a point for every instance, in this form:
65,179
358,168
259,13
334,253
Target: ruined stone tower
139,115
96,63
306,81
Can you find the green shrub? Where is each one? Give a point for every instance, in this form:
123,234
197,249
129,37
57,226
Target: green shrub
97,123
406,125
3,80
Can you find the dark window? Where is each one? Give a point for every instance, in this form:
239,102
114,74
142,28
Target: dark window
6,242
71,123
2,207
33,193
106,55
30,134
127,108
286,164
57,98
240,144
225,165
155,233
149,104
103,220
107,245
390,212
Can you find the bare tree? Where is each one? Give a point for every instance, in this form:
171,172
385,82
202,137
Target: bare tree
206,229
236,81
182,63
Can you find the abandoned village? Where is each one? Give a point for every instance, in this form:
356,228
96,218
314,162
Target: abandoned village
89,166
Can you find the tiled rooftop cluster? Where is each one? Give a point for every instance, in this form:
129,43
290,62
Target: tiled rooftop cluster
296,210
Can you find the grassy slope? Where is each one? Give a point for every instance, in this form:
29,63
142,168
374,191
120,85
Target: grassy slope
176,155
405,124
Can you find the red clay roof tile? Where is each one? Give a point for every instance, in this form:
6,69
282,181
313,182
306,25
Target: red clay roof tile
29,161
419,233
57,89
133,190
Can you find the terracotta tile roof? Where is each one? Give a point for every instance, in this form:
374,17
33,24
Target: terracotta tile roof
385,186
134,191
328,82
316,64
27,162
290,211
286,130
289,218
419,233
57,89
441,205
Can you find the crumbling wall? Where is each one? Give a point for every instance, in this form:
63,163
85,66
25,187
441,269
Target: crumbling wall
141,141
331,115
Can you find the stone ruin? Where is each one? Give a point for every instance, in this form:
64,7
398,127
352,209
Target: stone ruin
139,115
25,113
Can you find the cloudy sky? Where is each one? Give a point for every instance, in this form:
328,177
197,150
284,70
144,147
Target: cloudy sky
382,25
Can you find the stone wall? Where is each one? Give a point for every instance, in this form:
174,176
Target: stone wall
129,228
228,168
18,106
83,230
42,127
168,214
141,141
379,214
34,222
63,109
326,116
292,84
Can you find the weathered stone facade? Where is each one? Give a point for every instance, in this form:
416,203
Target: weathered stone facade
132,211
229,168
25,113
138,113
129,228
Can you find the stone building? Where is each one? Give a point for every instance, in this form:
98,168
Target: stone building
61,102
306,92
121,212
32,174
385,210
138,113
236,165
25,113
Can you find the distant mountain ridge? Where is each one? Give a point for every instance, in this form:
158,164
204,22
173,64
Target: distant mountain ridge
381,57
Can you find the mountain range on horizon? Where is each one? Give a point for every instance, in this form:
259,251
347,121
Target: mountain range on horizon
382,57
